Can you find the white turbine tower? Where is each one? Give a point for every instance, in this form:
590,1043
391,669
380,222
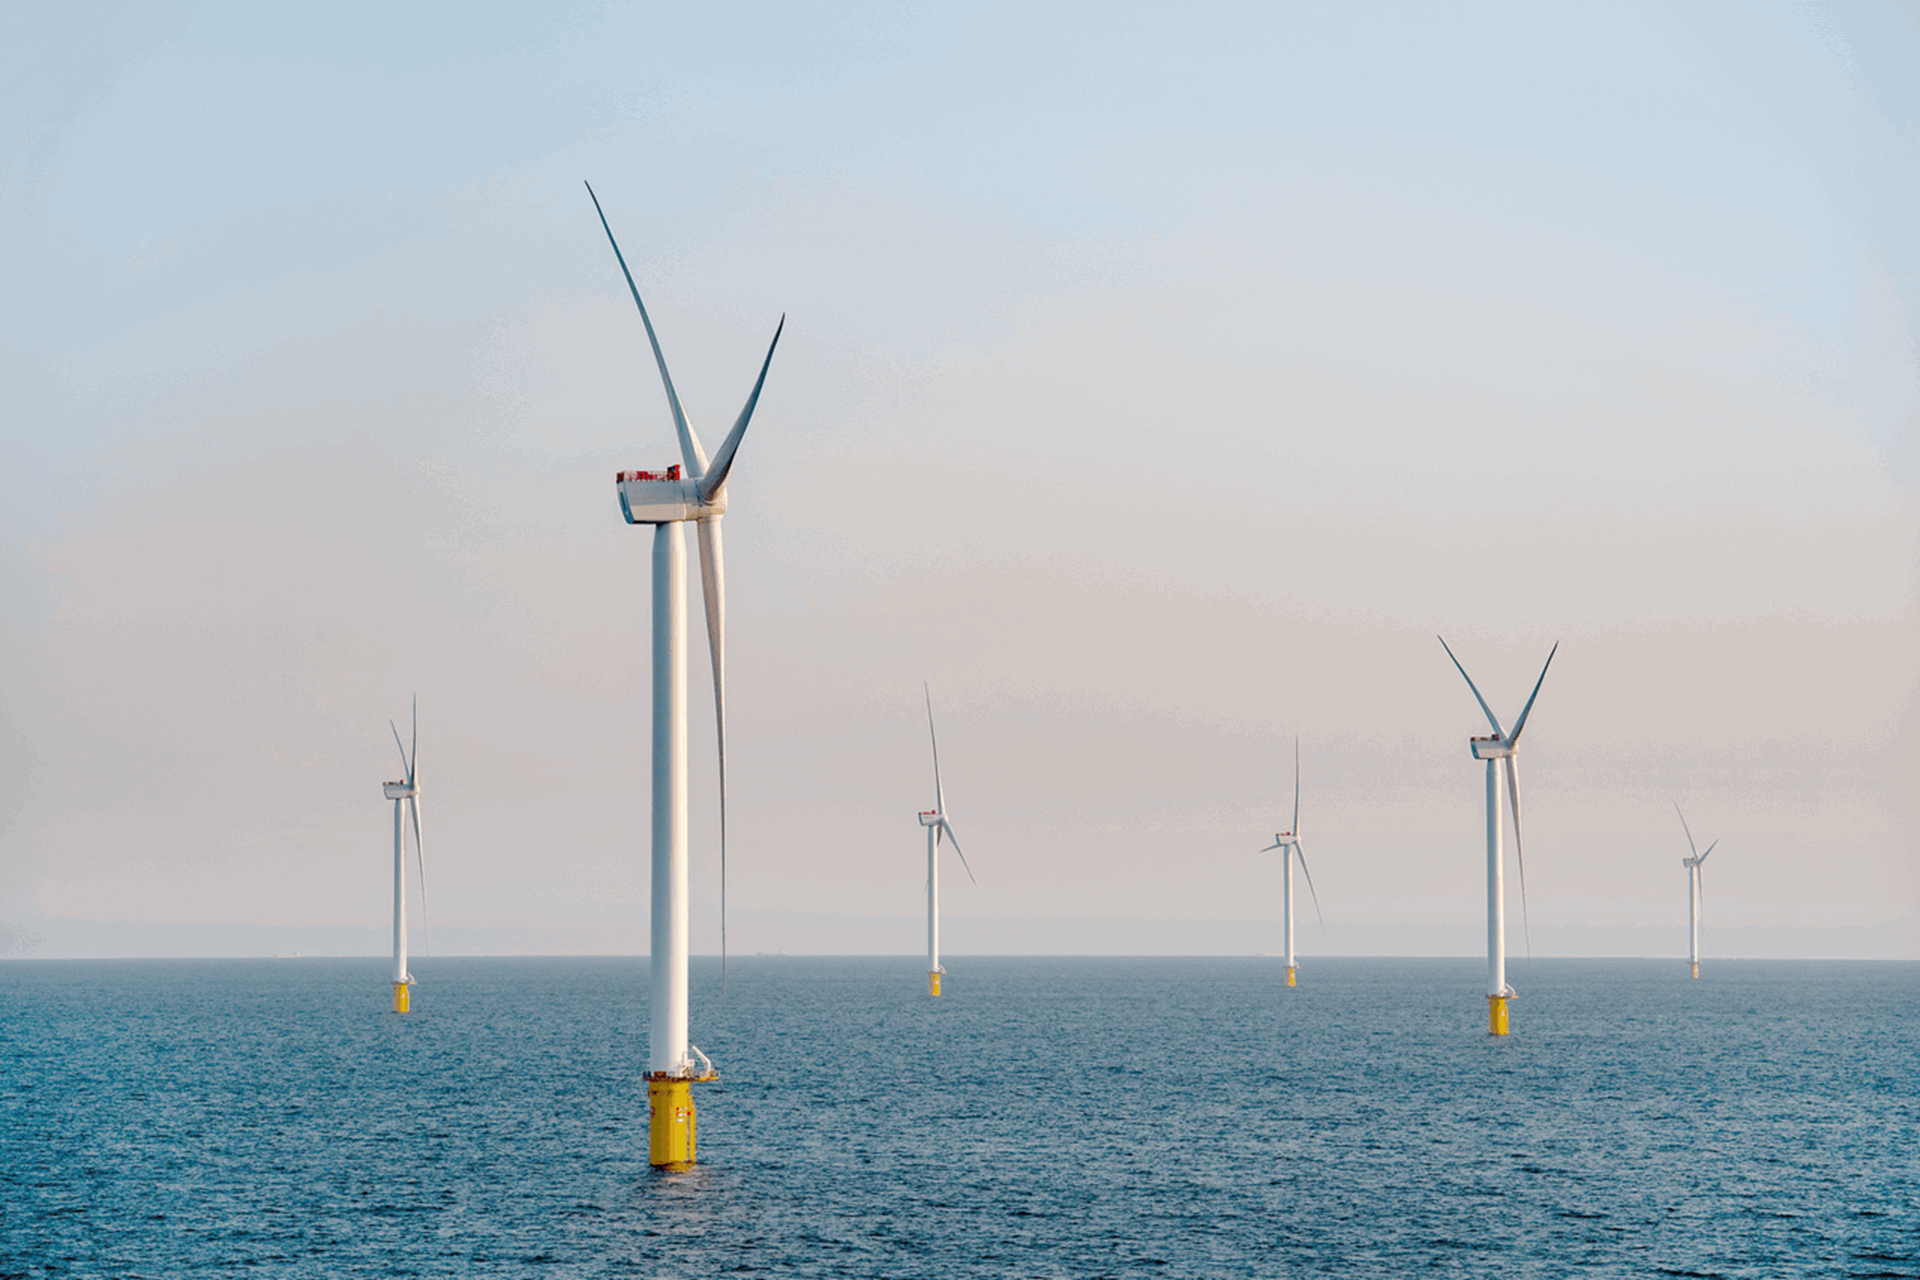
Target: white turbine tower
1696,890
935,821
1498,749
405,795
693,491
1289,842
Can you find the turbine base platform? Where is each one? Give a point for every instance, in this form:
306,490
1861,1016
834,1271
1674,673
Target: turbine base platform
933,982
400,997
1290,972
1696,968
671,1123
1496,1015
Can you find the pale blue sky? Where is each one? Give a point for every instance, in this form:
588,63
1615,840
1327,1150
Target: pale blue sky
1157,380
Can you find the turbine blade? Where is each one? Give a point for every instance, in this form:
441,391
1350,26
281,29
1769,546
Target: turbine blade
690,451
420,856
413,761
716,475
1521,723
1491,718
1302,851
1296,784
1691,846
956,847
939,797
406,768
1702,860
1270,848
713,588
1519,854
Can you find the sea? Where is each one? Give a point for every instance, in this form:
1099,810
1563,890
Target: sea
1044,1117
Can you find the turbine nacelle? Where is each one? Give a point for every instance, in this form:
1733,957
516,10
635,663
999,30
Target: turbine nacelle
1494,748
399,791
665,497
931,818
1698,857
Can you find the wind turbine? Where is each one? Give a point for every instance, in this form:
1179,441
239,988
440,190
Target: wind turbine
1696,890
405,795
1497,749
1289,842
694,491
935,821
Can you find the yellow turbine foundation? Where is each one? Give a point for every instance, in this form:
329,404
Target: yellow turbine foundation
1496,1015
399,997
670,1122
1696,968
1289,975
933,982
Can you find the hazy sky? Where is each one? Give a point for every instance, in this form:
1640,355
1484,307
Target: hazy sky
1157,382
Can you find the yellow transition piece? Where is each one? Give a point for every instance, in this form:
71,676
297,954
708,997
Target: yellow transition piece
399,997
1696,970
1289,975
933,982
670,1122
1496,1015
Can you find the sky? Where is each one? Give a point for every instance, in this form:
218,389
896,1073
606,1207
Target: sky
1158,382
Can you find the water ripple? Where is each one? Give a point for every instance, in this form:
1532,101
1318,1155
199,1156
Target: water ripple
1046,1117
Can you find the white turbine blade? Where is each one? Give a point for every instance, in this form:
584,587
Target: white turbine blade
406,767
420,857
1491,718
956,847
939,797
1296,784
1519,855
1270,848
1691,846
713,587
1702,859
1302,851
716,475
690,451
413,805
1520,724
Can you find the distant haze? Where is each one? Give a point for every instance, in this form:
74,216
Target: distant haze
1157,382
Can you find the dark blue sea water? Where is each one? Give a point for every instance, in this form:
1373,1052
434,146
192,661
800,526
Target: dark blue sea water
1046,1117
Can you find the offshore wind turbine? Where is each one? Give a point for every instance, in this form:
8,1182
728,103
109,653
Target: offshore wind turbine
1696,890
694,491
1500,750
405,795
935,821
1289,842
